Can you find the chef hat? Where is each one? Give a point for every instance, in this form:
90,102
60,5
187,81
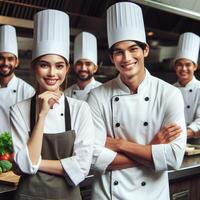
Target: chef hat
125,22
85,47
188,47
8,40
51,34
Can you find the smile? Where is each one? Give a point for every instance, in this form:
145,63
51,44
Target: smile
50,81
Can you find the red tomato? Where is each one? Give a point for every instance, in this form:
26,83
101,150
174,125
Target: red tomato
6,156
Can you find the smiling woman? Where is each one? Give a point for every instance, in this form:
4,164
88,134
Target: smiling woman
54,151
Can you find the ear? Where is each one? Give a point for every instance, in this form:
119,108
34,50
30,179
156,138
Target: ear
68,67
146,50
195,66
16,62
111,58
95,68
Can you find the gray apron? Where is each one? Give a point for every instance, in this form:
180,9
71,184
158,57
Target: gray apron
55,147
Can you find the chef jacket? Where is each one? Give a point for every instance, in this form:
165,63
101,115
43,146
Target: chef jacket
16,91
136,117
191,96
77,166
75,92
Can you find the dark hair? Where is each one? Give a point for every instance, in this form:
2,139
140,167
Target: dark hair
140,44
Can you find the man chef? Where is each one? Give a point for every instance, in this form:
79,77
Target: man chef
128,112
12,88
185,64
85,65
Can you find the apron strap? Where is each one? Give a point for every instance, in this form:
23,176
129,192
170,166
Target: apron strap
33,114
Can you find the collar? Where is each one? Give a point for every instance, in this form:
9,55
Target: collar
189,84
143,85
88,86
12,83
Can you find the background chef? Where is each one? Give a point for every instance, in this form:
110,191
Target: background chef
12,88
185,64
128,112
85,66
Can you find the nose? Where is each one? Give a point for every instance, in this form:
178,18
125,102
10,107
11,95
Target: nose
127,56
4,61
83,67
52,71
184,67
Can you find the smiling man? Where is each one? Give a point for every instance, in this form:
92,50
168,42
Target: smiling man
131,113
185,65
85,66
12,89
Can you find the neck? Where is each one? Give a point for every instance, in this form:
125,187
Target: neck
5,80
133,83
83,84
183,82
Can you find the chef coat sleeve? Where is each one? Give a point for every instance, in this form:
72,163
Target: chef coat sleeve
20,136
170,156
195,124
102,156
78,165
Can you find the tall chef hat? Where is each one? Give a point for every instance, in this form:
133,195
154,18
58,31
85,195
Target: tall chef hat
85,47
8,40
125,22
51,33
188,47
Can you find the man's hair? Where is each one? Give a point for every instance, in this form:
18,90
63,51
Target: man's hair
140,44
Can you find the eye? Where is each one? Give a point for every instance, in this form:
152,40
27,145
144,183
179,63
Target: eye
118,52
88,64
60,66
11,59
133,49
43,65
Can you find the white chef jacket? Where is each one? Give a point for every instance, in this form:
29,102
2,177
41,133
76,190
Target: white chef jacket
77,166
75,92
191,96
136,117
16,91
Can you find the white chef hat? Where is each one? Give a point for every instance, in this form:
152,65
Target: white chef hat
51,33
85,47
188,47
125,22
8,40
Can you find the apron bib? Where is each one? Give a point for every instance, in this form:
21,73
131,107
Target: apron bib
44,186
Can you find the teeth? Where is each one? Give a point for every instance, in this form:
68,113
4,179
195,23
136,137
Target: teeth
50,81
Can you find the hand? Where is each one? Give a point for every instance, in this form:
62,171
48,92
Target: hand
46,101
167,134
112,143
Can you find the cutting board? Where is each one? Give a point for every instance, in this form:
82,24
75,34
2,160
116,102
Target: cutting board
192,151
9,178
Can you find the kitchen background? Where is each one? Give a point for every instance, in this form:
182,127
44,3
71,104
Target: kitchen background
164,20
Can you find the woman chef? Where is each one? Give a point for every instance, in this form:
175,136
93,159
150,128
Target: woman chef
128,111
185,65
52,134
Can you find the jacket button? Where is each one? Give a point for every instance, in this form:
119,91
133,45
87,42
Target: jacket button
74,92
116,182
146,98
116,98
61,114
145,124
188,106
190,90
14,91
143,183
117,124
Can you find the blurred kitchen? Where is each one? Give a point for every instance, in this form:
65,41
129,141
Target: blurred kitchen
164,21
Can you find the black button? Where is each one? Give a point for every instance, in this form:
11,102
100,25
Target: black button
188,106
143,183
14,91
61,114
117,124
74,92
190,90
146,98
116,98
145,124
116,182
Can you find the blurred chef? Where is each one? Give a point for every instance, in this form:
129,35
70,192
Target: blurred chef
85,66
12,88
185,65
129,112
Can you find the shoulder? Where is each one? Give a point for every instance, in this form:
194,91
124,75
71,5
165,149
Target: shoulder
69,90
76,104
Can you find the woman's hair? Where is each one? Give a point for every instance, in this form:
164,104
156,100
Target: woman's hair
140,44
34,62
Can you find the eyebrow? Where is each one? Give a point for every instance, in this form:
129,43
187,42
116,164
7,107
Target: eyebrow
43,61
118,49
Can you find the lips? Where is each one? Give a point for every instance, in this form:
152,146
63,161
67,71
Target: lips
50,81
128,65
